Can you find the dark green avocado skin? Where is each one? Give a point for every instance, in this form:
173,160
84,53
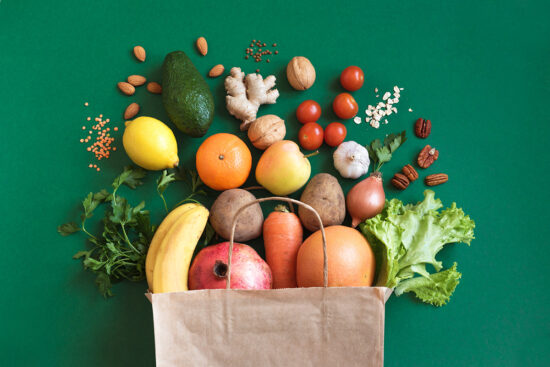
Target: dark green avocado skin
186,96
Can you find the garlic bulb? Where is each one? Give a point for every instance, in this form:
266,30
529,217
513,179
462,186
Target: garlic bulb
351,159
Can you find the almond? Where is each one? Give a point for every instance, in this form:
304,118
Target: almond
136,80
216,71
126,88
131,111
202,46
139,52
154,88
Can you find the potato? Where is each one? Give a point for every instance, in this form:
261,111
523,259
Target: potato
249,223
324,194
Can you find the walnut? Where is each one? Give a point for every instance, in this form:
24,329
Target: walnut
300,73
266,130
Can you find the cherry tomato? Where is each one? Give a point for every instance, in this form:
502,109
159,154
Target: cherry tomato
352,78
335,133
344,106
311,136
308,111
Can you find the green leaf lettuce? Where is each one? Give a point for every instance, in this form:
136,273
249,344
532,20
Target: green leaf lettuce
406,238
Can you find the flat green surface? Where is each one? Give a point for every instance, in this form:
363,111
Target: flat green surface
478,70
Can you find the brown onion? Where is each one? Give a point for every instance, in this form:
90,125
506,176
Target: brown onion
366,199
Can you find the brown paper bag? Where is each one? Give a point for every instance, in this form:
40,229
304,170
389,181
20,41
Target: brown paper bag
318,326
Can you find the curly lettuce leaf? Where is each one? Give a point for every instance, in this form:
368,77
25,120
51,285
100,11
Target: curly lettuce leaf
436,289
405,238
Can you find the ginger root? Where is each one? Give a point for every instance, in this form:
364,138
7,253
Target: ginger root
245,95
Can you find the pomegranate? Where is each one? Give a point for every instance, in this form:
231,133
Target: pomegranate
248,269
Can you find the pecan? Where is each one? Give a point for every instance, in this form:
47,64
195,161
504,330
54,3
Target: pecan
410,172
400,181
436,179
427,156
422,128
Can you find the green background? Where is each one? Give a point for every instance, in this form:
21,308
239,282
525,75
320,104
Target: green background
478,70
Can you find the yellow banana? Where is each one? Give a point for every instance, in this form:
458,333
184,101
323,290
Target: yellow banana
175,251
160,233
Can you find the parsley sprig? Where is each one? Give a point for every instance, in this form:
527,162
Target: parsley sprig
119,251
381,153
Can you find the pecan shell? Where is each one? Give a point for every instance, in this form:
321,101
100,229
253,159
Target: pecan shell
410,172
427,156
400,181
422,128
436,179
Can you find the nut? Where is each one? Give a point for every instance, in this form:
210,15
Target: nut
410,172
400,181
427,156
136,80
131,111
139,53
422,128
266,130
300,73
126,88
202,46
436,179
154,88
216,71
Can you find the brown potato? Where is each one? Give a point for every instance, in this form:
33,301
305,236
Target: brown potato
324,194
249,224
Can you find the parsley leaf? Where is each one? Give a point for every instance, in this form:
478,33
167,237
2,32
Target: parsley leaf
381,153
68,228
118,252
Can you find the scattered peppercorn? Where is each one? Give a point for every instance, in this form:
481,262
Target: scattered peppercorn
257,49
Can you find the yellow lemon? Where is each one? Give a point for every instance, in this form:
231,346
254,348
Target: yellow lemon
150,143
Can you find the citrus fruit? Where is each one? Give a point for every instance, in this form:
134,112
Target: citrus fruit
223,162
150,143
350,259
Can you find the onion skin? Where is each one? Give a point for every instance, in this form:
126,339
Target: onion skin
366,199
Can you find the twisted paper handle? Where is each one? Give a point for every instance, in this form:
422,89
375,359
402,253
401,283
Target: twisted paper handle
288,200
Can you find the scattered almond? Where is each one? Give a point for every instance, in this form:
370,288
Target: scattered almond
131,111
202,46
126,88
154,88
216,71
136,80
139,52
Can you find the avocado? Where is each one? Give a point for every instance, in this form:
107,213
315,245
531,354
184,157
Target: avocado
186,96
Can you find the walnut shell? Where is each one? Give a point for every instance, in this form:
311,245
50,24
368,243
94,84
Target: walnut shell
266,130
300,73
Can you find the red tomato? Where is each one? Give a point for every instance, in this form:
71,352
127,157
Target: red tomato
311,136
352,78
335,133
308,111
344,106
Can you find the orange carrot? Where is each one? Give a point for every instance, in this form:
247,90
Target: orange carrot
283,235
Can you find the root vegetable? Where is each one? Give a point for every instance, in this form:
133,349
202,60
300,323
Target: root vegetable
325,195
249,224
351,159
366,199
283,236
245,95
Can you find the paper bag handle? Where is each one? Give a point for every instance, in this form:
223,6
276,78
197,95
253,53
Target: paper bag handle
288,200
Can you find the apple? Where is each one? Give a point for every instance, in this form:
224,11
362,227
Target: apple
283,169
248,269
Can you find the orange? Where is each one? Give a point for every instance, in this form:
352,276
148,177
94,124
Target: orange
350,259
223,161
